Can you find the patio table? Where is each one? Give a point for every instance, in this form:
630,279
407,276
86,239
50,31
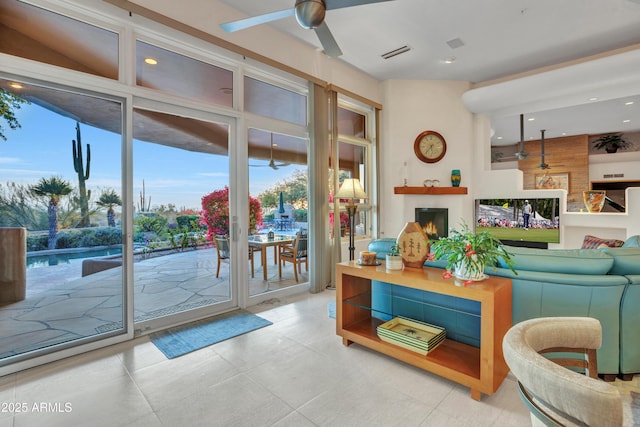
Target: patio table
263,241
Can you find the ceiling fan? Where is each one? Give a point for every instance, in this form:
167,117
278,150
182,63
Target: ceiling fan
272,164
542,165
309,14
520,154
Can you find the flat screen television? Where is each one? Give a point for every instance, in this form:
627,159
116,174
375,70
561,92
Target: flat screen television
505,219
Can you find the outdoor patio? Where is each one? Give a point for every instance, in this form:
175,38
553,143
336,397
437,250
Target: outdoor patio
62,306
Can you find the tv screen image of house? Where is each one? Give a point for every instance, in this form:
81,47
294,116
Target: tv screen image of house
506,220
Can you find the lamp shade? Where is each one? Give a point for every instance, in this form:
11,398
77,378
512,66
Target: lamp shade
351,189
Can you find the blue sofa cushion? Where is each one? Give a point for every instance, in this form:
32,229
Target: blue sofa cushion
626,261
569,261
632,242
381,246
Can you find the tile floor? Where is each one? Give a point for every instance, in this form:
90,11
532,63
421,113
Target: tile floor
295,372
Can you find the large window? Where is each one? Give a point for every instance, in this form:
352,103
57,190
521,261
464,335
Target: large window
133,155
273,101
177,74
354,161
31,32
60,179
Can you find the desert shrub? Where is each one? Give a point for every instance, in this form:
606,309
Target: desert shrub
151,223
106,236
190,222
301,215
38,242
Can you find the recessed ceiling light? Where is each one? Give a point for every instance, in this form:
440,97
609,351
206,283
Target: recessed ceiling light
150,61
626,121
449,60
628,103
15,85
531,119
593,99
564,133
499,137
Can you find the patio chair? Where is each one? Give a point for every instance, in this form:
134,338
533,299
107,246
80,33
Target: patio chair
554,394
253,249
222,246
295,253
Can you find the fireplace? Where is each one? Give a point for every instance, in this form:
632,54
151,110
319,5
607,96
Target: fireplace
434,222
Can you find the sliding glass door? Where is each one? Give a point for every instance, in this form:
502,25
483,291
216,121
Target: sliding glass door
60,183
183,243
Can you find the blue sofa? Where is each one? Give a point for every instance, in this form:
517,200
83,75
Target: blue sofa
601,283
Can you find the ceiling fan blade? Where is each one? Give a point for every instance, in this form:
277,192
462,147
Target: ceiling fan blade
242,24
328,42
340,4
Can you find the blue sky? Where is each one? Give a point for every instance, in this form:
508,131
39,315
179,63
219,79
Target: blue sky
42,148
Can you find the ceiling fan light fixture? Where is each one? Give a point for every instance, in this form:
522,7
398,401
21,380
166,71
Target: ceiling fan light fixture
310,13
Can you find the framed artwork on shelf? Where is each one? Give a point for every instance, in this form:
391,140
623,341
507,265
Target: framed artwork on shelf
552,181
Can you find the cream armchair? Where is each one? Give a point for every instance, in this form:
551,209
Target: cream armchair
556,395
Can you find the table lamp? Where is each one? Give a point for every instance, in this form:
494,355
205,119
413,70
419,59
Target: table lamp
351,189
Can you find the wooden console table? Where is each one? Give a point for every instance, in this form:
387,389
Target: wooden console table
481,369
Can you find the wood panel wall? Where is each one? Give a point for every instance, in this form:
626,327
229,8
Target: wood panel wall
569,154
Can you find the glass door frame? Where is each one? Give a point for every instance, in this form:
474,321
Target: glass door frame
276,126
235,272
43,75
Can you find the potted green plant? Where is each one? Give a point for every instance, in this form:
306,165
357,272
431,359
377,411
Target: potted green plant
394,259
611,143
469,253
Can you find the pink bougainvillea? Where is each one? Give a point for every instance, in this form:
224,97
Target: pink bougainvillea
215,213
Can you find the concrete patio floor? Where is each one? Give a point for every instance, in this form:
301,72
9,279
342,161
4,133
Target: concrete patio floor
62,306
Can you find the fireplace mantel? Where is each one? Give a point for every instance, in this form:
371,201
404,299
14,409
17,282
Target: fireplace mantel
429,190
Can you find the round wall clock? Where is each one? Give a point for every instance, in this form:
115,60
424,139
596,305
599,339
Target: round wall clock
430,146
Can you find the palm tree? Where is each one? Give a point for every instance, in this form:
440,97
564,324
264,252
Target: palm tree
54,188
109,199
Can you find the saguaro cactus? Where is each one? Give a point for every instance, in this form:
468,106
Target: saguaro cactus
83,176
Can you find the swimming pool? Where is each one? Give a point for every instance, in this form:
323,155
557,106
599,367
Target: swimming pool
68,258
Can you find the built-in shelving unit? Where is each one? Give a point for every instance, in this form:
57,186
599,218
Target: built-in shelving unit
429,190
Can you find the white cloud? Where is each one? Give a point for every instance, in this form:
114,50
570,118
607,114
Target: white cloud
9,160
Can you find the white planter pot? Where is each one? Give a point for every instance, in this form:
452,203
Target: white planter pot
461,272
394,262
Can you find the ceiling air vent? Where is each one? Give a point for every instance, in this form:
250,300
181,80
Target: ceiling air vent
396,52
613,175
456,43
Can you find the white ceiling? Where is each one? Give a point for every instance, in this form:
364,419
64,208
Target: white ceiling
500,38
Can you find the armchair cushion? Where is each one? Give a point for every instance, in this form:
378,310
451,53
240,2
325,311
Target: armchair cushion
562,392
